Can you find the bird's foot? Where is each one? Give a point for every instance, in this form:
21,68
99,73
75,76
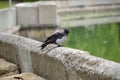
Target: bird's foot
59,46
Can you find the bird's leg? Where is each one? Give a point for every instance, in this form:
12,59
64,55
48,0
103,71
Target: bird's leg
59,45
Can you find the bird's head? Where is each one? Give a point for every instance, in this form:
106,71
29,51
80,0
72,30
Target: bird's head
66,31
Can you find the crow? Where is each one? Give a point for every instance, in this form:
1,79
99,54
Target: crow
57,38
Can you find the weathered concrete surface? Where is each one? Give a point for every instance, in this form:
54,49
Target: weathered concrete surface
48,13
24,76
39,34
7,18
37,14
85,3
7,68
74,65
57,63
26,14
13,53
8,51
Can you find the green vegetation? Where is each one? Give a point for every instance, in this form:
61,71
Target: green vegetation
26,0
3,4
100,40
30,0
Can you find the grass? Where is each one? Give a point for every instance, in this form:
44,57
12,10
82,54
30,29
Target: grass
100,40
4,4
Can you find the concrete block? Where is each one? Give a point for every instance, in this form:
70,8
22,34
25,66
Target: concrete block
27,14
17,53
7,19
48,67
4,22
23,55
7,68
8,51
37,14
48,13
24,60
23,76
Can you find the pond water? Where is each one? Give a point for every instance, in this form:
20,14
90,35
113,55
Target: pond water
100,40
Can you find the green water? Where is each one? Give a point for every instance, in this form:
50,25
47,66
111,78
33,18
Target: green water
100,40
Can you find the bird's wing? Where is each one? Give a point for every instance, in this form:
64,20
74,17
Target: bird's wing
61,35
54,37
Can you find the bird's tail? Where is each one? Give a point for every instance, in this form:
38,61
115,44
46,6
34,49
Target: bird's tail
43,45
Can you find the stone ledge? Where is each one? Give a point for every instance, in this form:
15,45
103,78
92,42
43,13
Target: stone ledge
36,14
23,76
7,68
56,63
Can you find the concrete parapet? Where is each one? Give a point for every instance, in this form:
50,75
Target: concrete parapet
26,14
37,14
7,18
85,3
56,63
48,13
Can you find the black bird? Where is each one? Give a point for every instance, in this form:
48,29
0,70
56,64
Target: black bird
57,38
